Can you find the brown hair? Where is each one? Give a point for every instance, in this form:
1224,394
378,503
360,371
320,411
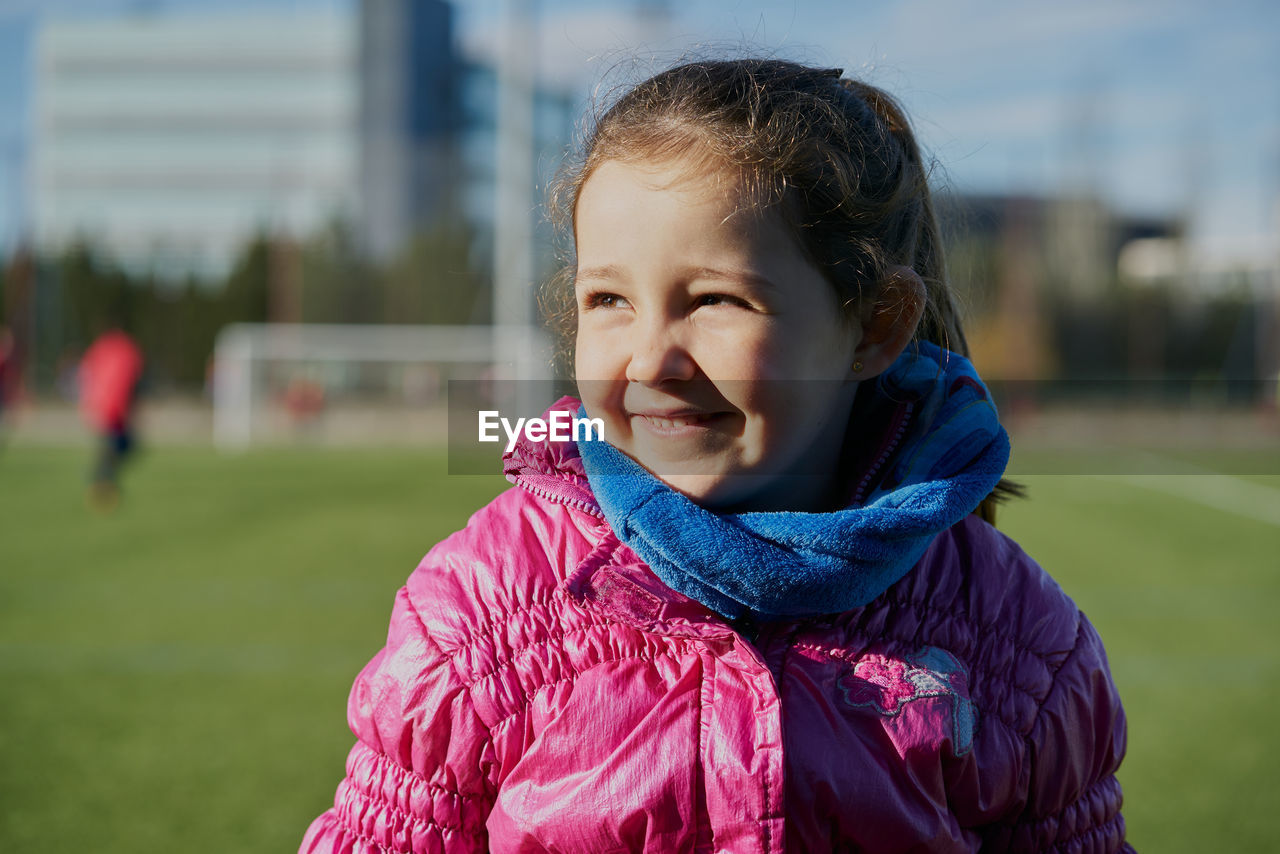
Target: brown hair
836,156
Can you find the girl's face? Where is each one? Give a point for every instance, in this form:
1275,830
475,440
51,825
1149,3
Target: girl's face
716,354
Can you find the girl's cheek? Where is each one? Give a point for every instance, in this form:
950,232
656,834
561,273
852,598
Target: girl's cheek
598,359
744,355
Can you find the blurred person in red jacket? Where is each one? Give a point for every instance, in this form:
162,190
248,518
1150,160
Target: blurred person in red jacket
109,375
7,350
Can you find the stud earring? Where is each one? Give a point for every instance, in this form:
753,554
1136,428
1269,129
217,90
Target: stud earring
857,367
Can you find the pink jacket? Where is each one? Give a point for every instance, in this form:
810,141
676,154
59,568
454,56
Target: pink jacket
541,690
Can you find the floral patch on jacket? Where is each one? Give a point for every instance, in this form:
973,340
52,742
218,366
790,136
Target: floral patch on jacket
887,685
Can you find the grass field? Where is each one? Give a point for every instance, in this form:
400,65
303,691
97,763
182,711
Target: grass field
174,676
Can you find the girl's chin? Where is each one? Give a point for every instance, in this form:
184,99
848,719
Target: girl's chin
702,488
718,481
721,492
743,493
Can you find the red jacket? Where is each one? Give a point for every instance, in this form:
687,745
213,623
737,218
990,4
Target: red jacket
109,374
541,690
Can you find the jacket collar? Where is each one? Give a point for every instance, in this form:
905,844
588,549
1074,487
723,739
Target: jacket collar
612,577
552,469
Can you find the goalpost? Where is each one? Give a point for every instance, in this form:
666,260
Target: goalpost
277,381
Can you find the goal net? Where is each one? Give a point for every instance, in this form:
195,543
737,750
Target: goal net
359,384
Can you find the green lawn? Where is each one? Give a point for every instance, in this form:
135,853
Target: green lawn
175,674
1185,596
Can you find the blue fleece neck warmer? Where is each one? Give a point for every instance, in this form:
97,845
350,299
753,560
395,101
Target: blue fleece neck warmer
942,460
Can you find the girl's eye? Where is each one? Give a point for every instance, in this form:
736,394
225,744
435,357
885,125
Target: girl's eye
602,299
718,299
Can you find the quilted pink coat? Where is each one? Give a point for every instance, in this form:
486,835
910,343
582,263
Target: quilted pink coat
542,690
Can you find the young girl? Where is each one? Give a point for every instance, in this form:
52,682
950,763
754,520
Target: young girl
769,612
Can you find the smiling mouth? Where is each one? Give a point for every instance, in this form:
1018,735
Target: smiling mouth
678,422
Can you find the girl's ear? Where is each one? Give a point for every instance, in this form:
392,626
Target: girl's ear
891,323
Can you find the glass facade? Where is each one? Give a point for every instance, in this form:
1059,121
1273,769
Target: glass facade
409,120
171,140
554,115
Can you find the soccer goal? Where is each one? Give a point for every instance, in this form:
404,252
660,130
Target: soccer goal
358,384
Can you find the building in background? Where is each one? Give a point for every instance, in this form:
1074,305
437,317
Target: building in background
410,113
170,140
554,114
1044,277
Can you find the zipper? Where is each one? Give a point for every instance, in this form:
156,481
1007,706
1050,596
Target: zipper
585,506
899,428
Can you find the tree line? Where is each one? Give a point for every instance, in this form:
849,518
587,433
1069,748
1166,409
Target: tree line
57,303
1023,322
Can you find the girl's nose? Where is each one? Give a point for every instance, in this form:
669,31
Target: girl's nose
657,356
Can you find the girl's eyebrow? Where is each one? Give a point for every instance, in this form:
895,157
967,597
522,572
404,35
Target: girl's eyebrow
611,272
607,273
736,276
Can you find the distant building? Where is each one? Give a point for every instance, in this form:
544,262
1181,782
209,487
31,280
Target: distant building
170,140
554,114
1078,242
410,119
1036,272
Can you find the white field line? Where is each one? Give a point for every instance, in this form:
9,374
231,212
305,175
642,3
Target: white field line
1220,491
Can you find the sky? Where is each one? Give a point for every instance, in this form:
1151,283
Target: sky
1164,107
